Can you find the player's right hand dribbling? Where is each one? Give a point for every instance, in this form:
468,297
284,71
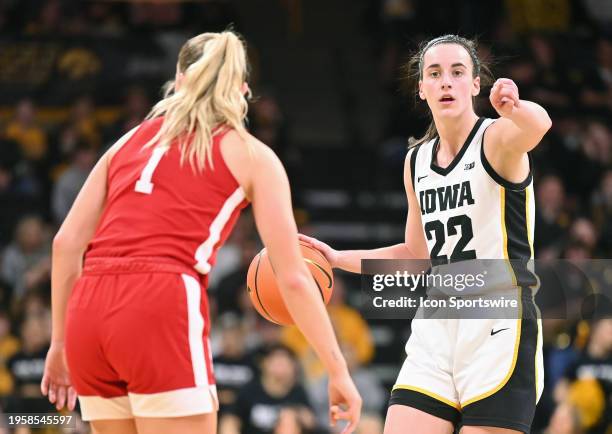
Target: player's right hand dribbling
344,401
330,254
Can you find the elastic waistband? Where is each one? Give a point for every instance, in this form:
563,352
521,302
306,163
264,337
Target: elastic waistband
124,265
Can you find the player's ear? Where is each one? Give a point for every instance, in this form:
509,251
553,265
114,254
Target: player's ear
245,89
421,93
476,86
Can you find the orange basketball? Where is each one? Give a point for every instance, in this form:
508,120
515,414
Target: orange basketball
264,292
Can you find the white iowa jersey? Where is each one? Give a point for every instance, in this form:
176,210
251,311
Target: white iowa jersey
468,211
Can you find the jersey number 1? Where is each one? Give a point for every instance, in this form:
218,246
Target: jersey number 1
435,229
144,184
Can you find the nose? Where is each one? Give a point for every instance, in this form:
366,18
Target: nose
446,82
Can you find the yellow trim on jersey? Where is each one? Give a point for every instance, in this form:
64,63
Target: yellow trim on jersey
512,365
428,393
528,191
502,201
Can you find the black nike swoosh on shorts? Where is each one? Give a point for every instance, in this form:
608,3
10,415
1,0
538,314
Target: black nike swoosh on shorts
493,333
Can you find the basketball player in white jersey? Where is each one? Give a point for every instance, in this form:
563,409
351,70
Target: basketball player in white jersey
470,196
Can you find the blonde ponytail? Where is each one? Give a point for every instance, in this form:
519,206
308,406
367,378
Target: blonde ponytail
210,95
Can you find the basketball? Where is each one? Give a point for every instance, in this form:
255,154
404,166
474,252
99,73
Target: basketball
265,294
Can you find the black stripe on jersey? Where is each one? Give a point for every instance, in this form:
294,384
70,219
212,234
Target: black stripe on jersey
497,178
413,156
519,249
459,156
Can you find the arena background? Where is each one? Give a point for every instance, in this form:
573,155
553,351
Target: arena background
75,75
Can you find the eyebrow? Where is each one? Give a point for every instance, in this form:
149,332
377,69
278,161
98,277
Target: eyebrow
454,65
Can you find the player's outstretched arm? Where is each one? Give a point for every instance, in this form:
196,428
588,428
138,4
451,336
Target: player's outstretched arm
69,246
521,126
261,174
413,247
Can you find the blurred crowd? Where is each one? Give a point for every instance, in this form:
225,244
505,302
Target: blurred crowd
269,380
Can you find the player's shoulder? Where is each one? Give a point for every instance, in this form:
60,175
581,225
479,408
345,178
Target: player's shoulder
245,146
246,156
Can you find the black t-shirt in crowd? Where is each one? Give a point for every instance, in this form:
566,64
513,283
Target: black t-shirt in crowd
231,374
258,411
27,371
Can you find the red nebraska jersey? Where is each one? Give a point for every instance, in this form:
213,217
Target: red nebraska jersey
156,207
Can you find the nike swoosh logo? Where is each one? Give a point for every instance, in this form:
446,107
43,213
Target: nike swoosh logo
421,177
493,333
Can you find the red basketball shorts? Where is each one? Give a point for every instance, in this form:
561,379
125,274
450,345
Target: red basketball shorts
137,340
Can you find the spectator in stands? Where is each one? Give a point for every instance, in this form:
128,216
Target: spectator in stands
595,363
106,18
599,12
25,130
27,367
16,187
234,368
136,106
83,120
268,122
551,83
352,331
48,21
70,182
9,346
602,202
260,403
26,262
597,144
596,86
33,305
583,232
551,220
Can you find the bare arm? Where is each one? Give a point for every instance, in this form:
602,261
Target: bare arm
521,126
73,237
265,182
69,246
413,247
276,225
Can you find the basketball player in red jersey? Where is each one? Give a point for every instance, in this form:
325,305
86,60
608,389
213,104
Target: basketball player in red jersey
130,322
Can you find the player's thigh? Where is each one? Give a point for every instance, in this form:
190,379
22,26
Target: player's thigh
401,416
487,430
113,426
197,424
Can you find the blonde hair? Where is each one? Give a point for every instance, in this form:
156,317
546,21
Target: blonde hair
210,95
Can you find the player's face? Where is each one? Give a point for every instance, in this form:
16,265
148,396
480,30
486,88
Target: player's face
447,83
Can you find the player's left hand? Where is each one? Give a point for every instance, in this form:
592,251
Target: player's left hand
504,97
56,380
